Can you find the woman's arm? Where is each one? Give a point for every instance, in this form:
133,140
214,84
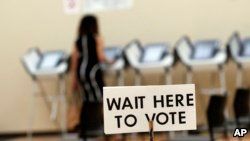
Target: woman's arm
100,50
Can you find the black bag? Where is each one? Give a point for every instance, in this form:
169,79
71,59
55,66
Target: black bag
215,112
242,103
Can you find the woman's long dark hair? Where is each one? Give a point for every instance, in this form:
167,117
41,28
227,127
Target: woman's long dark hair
88,25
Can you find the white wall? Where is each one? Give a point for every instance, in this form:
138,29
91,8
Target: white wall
28,23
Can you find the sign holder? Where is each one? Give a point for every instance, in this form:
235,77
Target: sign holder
151,130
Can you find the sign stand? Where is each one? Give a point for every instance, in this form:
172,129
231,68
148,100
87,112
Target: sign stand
151,130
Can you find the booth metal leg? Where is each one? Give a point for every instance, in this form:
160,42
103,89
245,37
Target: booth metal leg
137,78
189,79
47,100
171,135
31,118
168,79
239,77
222,80
184,133
63,120
32,111
224,92
54,107
120,78
189,76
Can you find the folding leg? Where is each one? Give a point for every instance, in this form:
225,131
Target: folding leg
189,80
171,135
137,77
54,107
48,101
222,79
168,79
224,92
63,105
32,110
189,76
239,76
120,78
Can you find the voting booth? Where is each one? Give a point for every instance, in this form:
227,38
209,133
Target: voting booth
47,64
151,56
206,54
238,49
239,52
115,55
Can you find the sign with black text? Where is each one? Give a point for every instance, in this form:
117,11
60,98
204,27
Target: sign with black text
128,109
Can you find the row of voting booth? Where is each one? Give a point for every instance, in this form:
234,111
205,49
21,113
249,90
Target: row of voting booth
194,55
51,64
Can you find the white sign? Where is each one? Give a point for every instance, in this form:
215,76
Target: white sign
71,6
129,109
102,5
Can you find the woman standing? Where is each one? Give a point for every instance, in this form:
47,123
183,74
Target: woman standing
87,55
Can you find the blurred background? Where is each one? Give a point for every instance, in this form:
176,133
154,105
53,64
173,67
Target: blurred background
45,24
